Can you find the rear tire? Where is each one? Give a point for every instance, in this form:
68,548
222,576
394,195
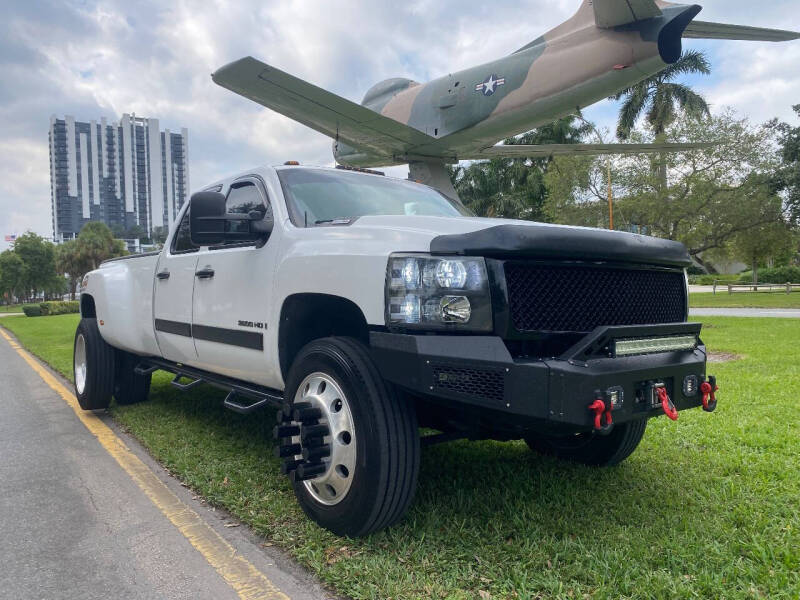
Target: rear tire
129,386
592,448
383,470
93,367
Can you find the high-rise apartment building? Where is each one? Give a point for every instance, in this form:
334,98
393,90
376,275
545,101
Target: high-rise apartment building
126,174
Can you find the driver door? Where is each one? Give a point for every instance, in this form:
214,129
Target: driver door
233,295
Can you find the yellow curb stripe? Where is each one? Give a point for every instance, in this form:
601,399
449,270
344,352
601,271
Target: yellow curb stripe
238,572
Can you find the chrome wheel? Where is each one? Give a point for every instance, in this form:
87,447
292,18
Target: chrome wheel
79,363
324,393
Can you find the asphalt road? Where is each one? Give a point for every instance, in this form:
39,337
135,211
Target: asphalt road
74,524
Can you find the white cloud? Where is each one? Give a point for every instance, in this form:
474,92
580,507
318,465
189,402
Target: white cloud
106,57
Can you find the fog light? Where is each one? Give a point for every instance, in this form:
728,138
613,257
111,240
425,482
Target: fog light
615,397
691,384
455,309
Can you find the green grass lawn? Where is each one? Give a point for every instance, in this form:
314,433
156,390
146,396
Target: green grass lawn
707,507
722,299
6,308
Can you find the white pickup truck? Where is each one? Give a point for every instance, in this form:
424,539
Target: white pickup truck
363,307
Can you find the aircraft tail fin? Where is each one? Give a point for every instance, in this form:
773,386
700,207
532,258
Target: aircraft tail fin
613,13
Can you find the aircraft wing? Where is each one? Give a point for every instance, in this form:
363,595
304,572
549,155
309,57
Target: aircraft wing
547,150
319,109
721,31
614,13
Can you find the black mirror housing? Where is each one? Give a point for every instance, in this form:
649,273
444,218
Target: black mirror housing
207,219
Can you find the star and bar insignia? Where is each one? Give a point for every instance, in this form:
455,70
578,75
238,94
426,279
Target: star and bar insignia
490,85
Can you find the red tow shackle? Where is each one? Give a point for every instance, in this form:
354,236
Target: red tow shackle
598,407
708,388
666,404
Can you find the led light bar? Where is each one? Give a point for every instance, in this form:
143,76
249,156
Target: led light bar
675,343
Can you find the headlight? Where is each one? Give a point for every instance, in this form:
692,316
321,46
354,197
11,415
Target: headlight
426,292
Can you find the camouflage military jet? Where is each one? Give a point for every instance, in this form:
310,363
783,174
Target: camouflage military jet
607,46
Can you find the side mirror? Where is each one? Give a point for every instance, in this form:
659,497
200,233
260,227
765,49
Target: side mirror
207,219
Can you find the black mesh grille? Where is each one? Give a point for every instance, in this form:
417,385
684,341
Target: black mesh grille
578,298
482,383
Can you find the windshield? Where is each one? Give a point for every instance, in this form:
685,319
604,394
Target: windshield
317,196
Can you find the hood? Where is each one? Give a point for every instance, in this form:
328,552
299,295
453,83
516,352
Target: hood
506,238
541,241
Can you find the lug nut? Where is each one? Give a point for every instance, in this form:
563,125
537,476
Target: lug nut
284,431
313,442
291,450
305,415
306,471
314,454
289,466
312,431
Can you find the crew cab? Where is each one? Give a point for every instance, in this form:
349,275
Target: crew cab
363,307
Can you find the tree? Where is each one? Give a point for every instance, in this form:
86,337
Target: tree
787,177
71,261
662,100
96,243
659,97
38,257
514,187
763,243
713,197
11,275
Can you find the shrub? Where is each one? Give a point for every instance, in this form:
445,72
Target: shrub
709,279
60,307
787,274
32,310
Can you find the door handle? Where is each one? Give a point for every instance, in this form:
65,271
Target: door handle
205,273
163,274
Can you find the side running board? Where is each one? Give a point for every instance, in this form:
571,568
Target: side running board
262,397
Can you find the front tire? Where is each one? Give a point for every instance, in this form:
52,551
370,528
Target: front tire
129,386
370,473
93,367
591,448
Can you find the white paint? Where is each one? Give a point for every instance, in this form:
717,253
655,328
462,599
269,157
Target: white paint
104,145
94,163
168,178
156,174
127,161
72,168
84,193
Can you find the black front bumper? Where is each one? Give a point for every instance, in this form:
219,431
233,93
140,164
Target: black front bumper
479,371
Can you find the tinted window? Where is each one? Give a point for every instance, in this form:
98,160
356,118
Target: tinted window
183,238
317,196
243,198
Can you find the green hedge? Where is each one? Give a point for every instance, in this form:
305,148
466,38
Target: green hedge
709,279
786,274
51,308
32,310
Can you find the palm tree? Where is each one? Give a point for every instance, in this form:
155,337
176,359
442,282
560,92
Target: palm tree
659,96
514,187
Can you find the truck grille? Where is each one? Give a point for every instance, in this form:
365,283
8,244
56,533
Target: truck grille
580,298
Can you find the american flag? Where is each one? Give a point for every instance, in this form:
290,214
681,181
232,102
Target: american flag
11,238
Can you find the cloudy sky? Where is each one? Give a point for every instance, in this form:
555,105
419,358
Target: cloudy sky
93,59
